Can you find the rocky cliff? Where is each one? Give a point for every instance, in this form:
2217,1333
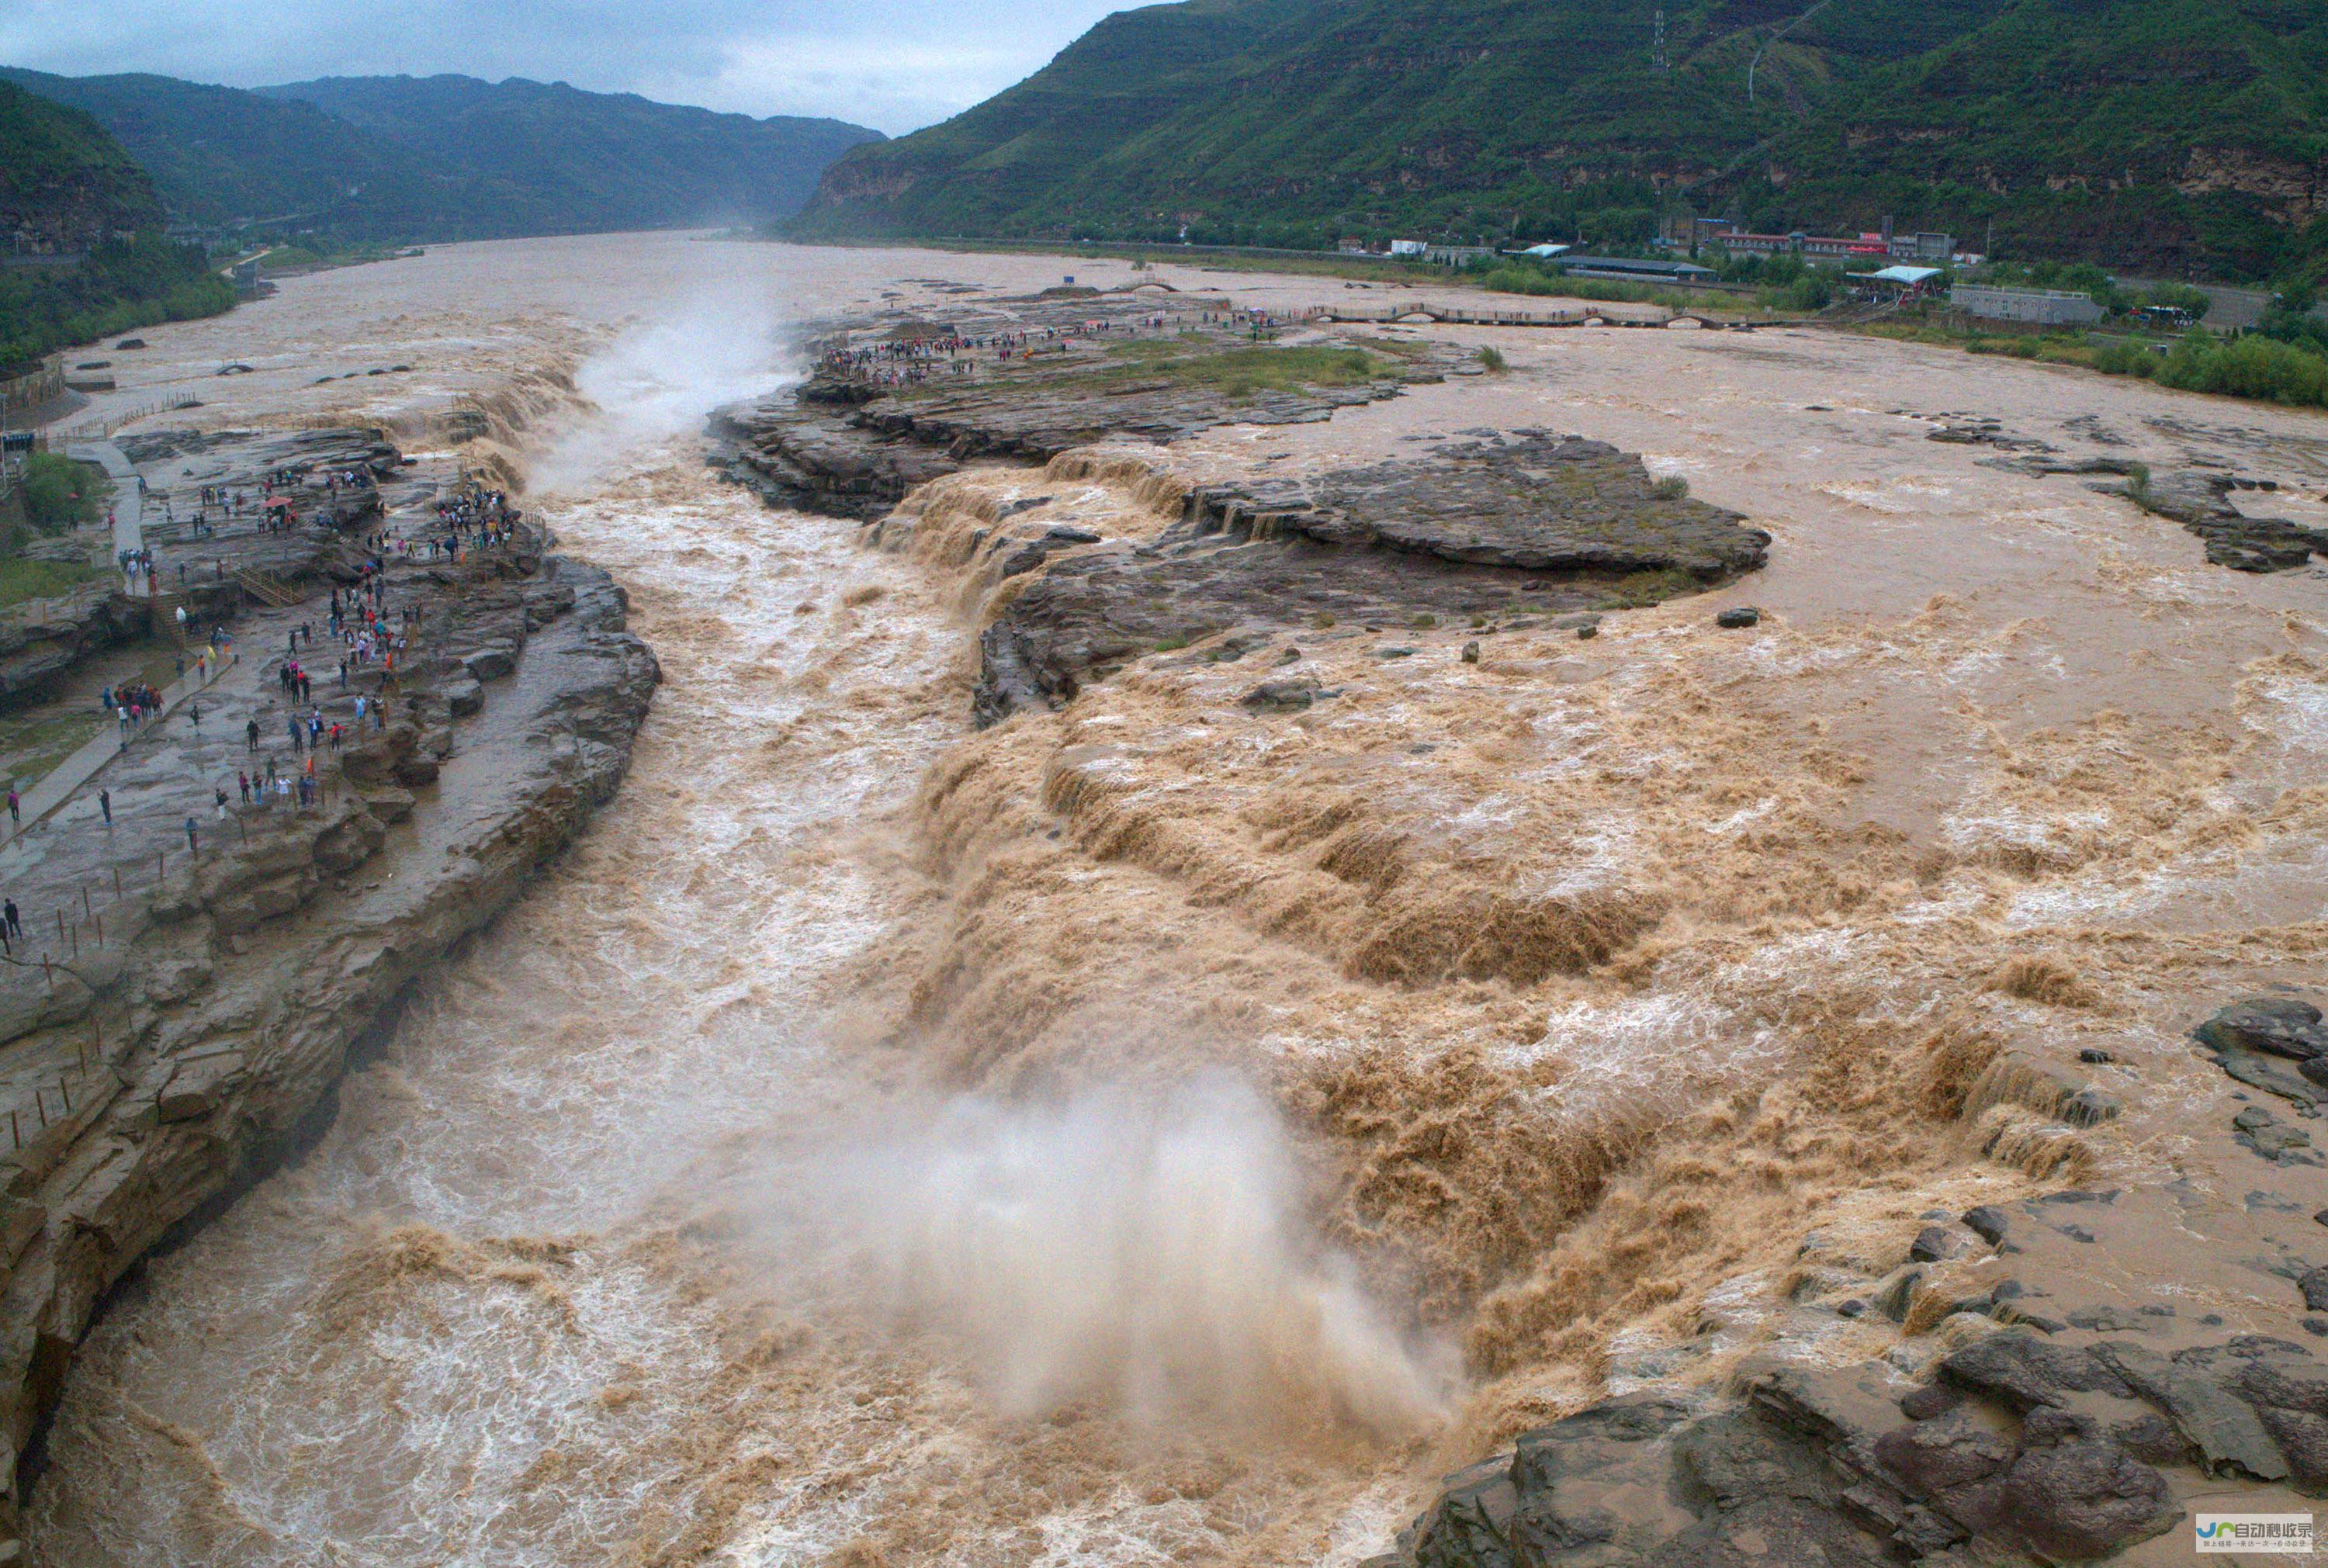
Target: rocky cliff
171,1030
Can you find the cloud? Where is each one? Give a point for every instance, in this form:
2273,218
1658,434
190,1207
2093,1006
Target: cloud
894,64
887,83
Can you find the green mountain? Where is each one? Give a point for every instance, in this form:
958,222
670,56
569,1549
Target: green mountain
223,158
84,257
65,183
2157,132
393,158
605,160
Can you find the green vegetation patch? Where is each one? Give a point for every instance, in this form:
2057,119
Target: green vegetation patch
60,493
122,286
22,578
1238,373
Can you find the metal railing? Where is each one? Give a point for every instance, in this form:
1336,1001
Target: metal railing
99,428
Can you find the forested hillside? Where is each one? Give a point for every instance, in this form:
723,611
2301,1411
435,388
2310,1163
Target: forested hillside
399,158
84,257
2149,132
598,160
65,183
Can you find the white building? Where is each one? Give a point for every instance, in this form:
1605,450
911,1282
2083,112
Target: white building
2037,306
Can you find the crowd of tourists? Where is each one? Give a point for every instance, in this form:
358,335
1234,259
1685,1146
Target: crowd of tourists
909,361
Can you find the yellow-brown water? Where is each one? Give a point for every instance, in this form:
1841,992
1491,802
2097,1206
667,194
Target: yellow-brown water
1098,1140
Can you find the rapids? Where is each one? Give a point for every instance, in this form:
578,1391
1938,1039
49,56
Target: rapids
877,1143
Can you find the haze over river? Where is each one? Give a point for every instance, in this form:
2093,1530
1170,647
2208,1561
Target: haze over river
652,1235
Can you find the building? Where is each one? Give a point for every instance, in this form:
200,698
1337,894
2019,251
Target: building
2036,307
1897,282
1457,255
1810,247
1409,247
1546,252
1636,268
1924,245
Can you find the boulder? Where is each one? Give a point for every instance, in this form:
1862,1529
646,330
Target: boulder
2278,1026
1281,695
1739,616
2068,1501
464,697
491,663
1987,1222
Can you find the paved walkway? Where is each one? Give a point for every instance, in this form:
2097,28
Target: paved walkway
129,503
57,785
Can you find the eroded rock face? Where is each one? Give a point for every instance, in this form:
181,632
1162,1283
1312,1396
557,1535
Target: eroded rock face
2029,1448
1492,528
837,446
1529,501
224,1004
1497,525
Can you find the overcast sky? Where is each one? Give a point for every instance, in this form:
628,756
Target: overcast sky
892,64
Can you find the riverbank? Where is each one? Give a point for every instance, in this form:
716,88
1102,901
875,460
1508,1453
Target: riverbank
194,968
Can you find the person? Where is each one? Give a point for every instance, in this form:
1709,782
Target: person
221,800
193,844
194,712
15,808
242,781
15,925
105,804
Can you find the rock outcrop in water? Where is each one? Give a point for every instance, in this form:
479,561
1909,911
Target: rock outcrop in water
1496,526
1499,527
2201,502
2074,1410
2028,1447
159,1062
838,445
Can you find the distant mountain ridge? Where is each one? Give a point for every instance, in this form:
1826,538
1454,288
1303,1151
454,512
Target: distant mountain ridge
2153,133
437,158
616,159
